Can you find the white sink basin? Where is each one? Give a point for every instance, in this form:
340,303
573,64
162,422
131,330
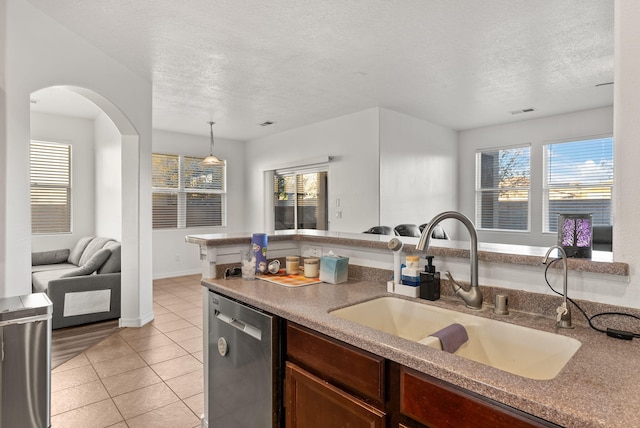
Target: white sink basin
515,349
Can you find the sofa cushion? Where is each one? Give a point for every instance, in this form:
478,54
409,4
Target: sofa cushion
56,266
40,280
113,263
49,257
76,252
96,244
91,265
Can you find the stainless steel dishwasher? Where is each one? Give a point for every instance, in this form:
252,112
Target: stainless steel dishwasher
244,366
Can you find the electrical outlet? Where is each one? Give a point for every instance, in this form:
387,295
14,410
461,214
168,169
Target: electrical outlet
315,251
177,257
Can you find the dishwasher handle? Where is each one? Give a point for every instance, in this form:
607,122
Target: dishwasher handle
240,325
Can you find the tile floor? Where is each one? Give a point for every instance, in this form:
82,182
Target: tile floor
139,377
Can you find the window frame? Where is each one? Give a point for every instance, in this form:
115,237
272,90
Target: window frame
546,217
182,190
295,173
68,187
479,190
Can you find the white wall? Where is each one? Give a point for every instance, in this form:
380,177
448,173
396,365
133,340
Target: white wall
418,169
39,53
171,255
536,132
352,140
80,134
626,230
108,179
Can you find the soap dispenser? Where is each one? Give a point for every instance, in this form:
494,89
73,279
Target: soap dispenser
430,281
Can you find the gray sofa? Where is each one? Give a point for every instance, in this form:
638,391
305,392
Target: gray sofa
83,283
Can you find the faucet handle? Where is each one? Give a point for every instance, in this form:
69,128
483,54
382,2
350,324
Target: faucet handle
560,311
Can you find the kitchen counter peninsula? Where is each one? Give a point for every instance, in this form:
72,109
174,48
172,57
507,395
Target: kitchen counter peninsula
212,253
596,388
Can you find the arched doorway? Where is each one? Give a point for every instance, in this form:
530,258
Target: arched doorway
110,169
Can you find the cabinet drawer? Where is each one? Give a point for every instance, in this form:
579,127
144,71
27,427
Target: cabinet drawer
438,404
340,363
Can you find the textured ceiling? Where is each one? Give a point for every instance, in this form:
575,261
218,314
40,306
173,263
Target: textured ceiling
460,63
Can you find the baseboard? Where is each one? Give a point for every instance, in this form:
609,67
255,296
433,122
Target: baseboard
164,275
136,322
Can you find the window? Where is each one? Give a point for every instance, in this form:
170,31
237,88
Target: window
300,200
186,194
502,188
50,174
578,179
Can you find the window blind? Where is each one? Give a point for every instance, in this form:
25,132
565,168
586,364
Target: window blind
50,179
502,188
578,179
185,194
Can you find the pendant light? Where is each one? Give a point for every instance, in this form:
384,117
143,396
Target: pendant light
211,160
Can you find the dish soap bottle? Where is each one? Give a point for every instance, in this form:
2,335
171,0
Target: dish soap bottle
430,281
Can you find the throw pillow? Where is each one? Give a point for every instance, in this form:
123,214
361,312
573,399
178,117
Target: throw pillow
113,264
91,265
76,253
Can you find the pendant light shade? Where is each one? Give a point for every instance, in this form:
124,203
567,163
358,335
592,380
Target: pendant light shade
211,160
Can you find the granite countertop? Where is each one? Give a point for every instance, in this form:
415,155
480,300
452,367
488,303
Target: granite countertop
598,387
600,262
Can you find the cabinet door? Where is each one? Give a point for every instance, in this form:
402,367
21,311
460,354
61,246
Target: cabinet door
314,403
437,404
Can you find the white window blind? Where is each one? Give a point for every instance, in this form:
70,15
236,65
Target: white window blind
502,188
578,179
50,177
186,194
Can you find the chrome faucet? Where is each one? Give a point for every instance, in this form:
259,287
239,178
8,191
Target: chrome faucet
563,312
473,297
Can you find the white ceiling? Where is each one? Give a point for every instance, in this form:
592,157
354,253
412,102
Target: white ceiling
460,63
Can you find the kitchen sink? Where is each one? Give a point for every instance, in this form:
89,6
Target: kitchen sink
515,349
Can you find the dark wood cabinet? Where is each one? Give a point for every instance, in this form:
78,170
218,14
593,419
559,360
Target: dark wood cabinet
333,384
435,403
314,403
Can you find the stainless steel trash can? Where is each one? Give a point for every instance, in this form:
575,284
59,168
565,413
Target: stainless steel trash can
25,361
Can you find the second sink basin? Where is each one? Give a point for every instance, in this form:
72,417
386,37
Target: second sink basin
515,349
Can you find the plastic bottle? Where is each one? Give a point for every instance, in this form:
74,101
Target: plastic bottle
430,281
411,272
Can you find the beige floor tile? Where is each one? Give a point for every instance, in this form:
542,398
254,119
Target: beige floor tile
149,342
97,415
77,396
135,333
160,310
144,400
196,403
177,367
175,307
130,381
168,299
124,425
188,385
173,325
184,334
191,311
105,351
77,361
72,377
198,321
192,345
169,316
163,353
119,365
175,415
199,356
